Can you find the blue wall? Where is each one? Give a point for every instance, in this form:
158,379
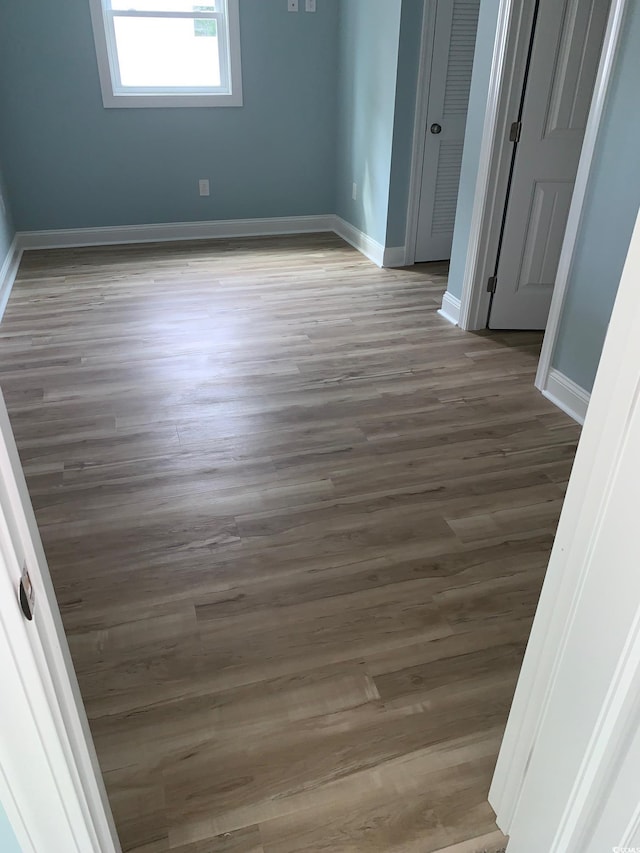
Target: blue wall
6,223
328,98
8,843
487,23
406,91
368,34
70,163
611,206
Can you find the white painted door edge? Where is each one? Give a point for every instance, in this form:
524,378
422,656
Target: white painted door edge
505,88
605,70
53,692
596,468
420,123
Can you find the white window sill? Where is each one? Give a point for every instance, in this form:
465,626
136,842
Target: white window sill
160,101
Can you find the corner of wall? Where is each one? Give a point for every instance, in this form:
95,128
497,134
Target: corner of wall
368,56
409,43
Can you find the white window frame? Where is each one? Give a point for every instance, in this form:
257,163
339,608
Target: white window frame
116,95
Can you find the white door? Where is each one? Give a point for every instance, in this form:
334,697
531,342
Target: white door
564,62
567,774
454,38
50,784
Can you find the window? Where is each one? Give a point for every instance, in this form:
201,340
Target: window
168,53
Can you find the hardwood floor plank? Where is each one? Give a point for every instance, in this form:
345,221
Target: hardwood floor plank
246,840
413,819
176,728
297,525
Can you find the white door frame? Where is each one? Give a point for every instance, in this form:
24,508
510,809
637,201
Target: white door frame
505,89
505,86
595,492
419,128
37,658
605,71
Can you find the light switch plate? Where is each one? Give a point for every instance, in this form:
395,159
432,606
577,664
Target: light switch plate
292,5
310,5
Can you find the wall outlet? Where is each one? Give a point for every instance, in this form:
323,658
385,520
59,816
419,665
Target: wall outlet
310,5
292,5
354,191
203,185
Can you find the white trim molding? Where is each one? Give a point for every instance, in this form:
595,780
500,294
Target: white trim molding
578,689
8,273
116,235
566,395
450,308
394,256
167,231
505,89
369,247
117,94
605,70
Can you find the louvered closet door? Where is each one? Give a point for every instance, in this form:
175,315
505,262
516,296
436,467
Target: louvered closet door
454,39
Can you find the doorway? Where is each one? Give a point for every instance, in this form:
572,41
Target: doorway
500,63
547,135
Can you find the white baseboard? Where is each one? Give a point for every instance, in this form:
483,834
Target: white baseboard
566,395
8,273
162,232
450,308
359,240
69,238
394,256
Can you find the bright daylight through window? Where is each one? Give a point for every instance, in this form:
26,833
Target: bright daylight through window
168,53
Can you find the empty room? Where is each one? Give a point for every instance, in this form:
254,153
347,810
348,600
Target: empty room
319,367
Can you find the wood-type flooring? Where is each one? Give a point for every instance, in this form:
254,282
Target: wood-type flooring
297,525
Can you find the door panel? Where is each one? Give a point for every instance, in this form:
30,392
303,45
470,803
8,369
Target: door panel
462,42
564,63
545,230
451,68
570,97
446,191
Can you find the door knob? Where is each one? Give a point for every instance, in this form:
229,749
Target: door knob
436,128
26,594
